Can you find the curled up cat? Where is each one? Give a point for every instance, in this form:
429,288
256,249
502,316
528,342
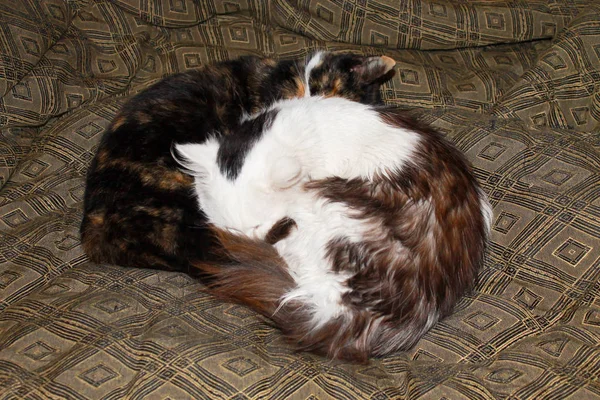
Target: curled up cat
378,223
139,208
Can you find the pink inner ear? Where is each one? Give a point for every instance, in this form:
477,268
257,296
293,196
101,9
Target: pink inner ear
385,63
388,62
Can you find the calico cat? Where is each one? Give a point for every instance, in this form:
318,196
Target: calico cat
139,209
386,225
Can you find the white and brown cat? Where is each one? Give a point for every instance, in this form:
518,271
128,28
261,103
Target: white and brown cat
139,209
378,223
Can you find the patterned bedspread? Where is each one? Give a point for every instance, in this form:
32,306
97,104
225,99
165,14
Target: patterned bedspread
516,84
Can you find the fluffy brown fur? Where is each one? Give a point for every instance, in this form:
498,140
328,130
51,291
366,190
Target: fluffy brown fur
430,229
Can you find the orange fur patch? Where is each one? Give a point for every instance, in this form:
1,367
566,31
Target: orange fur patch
270,62
162,178
102,158
142,117
118,122
173,180
300,87
97,218
389,63
335,87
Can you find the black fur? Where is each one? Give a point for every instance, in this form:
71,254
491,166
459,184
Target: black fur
139,208
234,148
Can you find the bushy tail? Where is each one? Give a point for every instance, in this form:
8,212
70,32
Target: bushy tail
258,277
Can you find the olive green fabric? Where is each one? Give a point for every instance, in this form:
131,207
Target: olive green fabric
516,84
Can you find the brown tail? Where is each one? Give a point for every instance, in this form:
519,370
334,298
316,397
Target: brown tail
258,277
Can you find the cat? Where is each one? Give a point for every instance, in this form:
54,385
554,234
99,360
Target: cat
385,224
139,209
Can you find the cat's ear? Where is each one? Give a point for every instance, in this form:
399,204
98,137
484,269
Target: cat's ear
197,159
375,68
285,172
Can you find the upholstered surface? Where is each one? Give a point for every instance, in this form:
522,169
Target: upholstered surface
515,84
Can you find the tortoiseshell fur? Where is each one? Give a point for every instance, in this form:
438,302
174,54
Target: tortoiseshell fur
385,226
139,208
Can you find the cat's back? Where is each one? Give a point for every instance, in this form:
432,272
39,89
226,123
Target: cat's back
138,207
183,107
337,137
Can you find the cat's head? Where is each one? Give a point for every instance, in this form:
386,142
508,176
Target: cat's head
239,189
347,75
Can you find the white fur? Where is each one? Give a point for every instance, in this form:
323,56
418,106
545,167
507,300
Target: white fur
307,134
246,117
334,137
486,211
315,61
224,201
304,250
286,172
311,138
